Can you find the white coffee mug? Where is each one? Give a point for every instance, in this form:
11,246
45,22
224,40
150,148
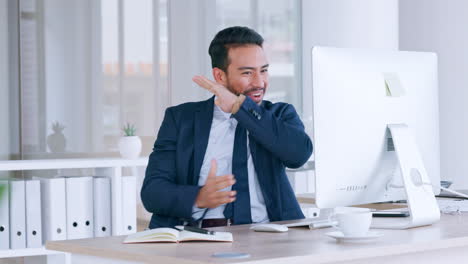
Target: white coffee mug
352,221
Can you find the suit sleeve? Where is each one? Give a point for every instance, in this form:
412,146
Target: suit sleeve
282,132
160,193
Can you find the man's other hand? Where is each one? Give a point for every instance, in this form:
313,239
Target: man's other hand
210,195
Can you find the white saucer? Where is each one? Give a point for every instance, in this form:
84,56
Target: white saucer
340,237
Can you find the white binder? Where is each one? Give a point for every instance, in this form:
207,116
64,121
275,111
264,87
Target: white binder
102,206
129,204
33,214
79,192
53,209
4,216
17,215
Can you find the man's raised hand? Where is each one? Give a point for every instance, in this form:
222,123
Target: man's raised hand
225,98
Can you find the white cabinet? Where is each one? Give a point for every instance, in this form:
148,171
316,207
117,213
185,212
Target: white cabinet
109,167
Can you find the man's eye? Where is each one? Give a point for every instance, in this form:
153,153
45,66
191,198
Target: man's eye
265,70
247,73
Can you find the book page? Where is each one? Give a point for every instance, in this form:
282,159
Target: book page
192,236
154,235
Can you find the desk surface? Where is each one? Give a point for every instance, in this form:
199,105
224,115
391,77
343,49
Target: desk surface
296,245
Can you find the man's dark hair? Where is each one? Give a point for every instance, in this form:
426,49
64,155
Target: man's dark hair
231,37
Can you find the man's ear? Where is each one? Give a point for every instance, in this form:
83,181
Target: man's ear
219,76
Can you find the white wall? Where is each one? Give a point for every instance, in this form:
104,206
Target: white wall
4,83
441,27
345,24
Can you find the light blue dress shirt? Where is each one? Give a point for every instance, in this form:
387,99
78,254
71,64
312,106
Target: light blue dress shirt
220,147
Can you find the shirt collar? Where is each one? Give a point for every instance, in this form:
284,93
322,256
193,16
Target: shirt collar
220,114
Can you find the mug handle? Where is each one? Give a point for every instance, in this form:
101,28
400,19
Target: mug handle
333,223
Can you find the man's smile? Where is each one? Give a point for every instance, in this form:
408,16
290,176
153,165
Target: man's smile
255,94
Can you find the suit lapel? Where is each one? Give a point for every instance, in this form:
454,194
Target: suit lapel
203,120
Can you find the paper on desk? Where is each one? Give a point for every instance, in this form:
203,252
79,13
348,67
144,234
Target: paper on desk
452,206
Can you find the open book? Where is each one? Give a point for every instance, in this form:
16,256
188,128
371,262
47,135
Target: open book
173,235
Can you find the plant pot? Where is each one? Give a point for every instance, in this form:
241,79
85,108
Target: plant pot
56,142
130,147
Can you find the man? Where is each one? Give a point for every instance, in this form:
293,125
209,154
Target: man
222,161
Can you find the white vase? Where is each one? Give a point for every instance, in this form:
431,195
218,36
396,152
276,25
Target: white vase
130,147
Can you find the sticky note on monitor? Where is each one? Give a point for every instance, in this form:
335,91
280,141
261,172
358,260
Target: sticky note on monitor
393,85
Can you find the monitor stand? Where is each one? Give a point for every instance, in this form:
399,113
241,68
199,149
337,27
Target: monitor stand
421,201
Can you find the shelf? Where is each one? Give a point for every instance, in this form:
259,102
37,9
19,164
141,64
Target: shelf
112,168
46,164
27,252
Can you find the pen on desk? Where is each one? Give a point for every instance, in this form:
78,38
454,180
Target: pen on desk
198,230
323,224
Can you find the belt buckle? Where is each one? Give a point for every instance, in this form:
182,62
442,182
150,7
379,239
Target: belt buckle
228,222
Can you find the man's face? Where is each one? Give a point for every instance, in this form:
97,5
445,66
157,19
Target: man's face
247,72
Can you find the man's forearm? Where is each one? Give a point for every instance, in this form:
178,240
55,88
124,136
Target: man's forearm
284,136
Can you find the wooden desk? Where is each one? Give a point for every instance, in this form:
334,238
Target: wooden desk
447,239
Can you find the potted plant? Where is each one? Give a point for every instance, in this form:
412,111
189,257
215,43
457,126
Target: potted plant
129,144
57,141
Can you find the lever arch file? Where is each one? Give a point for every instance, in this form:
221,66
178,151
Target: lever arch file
129,204
17,214
53,209
79,193
33,214
4,215
102,206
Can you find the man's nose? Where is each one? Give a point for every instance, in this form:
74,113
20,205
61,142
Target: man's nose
258,81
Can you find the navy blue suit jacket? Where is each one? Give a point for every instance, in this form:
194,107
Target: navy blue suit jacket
276,140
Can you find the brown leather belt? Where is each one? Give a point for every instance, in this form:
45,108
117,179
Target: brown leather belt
215,222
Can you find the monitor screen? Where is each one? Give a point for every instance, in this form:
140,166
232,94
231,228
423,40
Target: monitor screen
357,94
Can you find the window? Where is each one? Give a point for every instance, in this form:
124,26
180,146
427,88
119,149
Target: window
279,24
91,66
87,68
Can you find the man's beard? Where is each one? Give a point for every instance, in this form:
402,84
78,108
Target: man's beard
229,87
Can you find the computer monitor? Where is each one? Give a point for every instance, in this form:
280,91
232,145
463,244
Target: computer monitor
376,130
